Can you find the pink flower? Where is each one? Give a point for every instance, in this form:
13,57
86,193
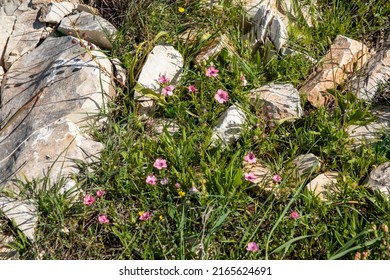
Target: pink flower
193,190
252,247
100,193
212,72
191,88
168,90
151,180
244,82
89,200
294,215
250,177
177,185
103,219
162,79
277,178
160,163
144,216
221,96
250,158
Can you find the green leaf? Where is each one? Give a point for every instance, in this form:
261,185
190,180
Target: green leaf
149,93
288,243
220,221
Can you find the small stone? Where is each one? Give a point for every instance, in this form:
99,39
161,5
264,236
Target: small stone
213,49
91,28
322,184
307,164
379,179
281,101
344,58
86,8
229,127
55,12
159,125
23,212
162,60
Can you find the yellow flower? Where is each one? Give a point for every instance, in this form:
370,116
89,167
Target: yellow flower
181,10
140,213
161,218
182,193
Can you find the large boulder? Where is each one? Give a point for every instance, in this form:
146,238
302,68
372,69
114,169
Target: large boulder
43,96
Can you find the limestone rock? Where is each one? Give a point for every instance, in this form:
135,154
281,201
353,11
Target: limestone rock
25,36
6,28
322,184
229,127
23,212
55,12
8,7
92,28
1,75
306,164
379,178
375,75
213,49
344,57
88,9
287,10
280,100
58,73
263,174
286,52
162,60
277,32
41,3
371,132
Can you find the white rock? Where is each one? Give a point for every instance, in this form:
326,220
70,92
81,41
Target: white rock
306,164
55,12
120,71
375,75
379,178
1,75
6,28
371,132
92,28
25,36
8,7
23,212
262,22
277,32
282,101
322,184
163,60
229,127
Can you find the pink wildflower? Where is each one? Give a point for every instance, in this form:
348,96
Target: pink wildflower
250,158
100,193
252,247
144,216
277,178
250,177
221,96
151,180
89,200
244,82
191,88
163,79
294,215
103,219
212,72
160,163
193,190
168,90
177,185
